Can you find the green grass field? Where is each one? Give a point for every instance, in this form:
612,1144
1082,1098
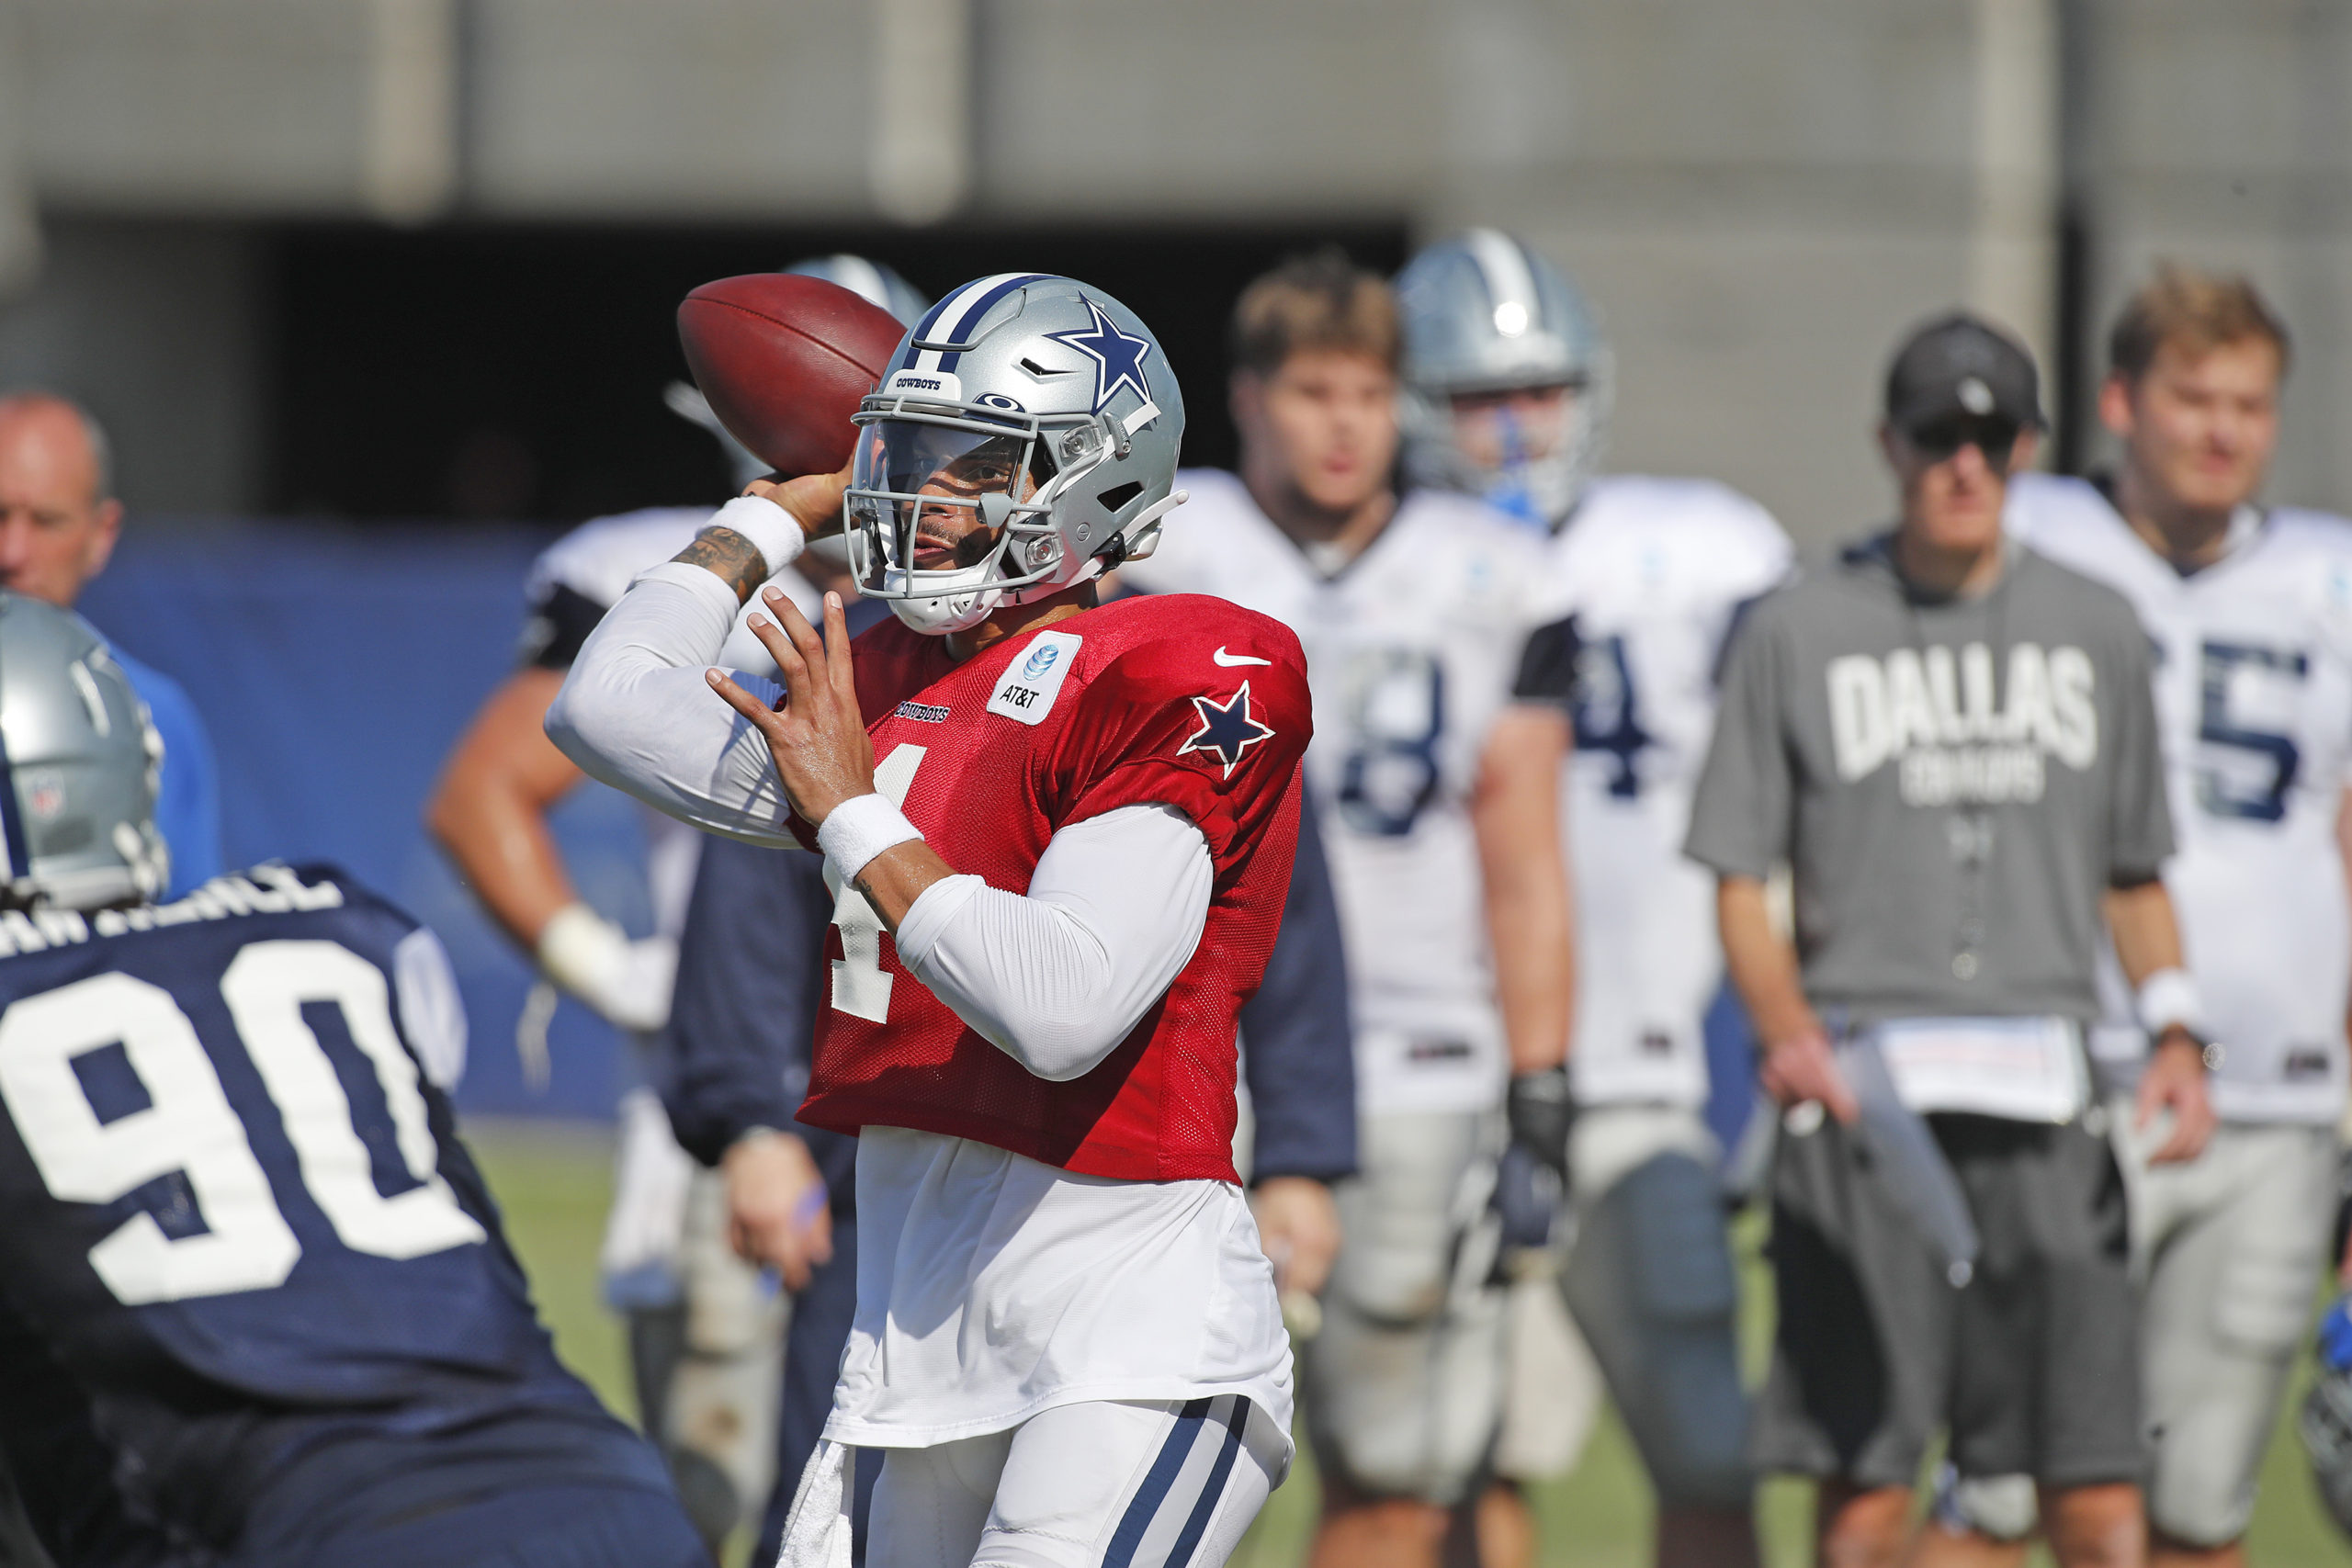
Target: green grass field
553,1180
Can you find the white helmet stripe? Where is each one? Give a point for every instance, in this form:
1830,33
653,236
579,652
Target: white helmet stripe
958,313
1510,281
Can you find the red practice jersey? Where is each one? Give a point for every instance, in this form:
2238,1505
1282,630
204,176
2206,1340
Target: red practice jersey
1175,699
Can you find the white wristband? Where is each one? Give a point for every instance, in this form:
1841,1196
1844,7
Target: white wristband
859,829
578,948
773,532
2168,997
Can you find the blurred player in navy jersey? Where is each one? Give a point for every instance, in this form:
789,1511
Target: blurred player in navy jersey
1510,385
1435,771
257,1301
59,522
742,1029
1067,1338
703,1328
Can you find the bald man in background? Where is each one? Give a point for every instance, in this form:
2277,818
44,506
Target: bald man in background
59,522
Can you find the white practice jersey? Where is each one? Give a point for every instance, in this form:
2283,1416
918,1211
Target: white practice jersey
1652,572
569,587
1412,650
2254,692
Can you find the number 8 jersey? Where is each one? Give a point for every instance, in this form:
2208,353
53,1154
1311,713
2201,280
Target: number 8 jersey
240,1220
2253,692
1413,650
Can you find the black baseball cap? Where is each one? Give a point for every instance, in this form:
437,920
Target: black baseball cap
1959,368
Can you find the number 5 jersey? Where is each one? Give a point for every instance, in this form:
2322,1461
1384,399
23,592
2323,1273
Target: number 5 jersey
2254,695
253,1287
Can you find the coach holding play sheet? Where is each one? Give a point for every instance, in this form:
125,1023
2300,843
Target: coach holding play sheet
1951,739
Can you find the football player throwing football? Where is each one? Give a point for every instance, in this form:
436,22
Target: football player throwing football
1435,771
1060,837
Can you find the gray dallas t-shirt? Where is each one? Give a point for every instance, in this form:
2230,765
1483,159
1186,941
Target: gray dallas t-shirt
1955,783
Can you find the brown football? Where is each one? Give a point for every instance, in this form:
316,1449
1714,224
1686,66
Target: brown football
784,360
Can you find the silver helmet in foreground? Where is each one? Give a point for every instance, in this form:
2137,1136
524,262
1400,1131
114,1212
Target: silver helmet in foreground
1485,318
1024,440
78,766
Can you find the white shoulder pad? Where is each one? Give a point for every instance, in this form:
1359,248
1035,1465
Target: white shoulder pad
2040,505
433,1015
598,559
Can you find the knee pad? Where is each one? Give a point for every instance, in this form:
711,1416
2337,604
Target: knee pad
1651,1285
1408,1410
2202,1491
1416,1224
1650,1253
1663,1224
2005,1508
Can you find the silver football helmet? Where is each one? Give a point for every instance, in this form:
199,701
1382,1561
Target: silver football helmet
1024,440
1483,314
79,760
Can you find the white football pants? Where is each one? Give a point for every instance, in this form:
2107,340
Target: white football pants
1127,1484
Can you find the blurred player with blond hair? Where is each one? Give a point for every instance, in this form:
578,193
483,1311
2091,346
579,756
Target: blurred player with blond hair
1436,772
2249,608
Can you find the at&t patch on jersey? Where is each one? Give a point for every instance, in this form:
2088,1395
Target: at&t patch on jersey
1034,678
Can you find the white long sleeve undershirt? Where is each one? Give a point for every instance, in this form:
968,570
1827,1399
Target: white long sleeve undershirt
1055,978
635,713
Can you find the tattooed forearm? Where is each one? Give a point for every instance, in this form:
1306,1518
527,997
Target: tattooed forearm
734,558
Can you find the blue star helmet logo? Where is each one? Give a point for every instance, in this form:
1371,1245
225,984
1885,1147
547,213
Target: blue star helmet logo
1227,729
1118,358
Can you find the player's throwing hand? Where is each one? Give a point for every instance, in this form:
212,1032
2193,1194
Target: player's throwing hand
817,737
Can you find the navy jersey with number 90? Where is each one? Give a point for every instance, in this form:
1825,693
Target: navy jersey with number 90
240,1220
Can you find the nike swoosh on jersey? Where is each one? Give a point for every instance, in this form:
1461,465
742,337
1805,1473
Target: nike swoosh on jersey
1229,660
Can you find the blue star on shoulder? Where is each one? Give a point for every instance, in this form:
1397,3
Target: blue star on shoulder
1228,728
1118,358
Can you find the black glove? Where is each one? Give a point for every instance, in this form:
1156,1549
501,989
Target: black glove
1542,1110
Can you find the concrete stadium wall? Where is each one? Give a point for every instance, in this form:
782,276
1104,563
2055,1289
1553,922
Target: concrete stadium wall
1760,197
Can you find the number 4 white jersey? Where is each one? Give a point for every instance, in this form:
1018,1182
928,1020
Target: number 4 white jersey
2254,691
1652,572
1412,650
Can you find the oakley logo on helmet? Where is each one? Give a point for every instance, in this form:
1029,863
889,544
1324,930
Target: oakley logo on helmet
1118,358
998,400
